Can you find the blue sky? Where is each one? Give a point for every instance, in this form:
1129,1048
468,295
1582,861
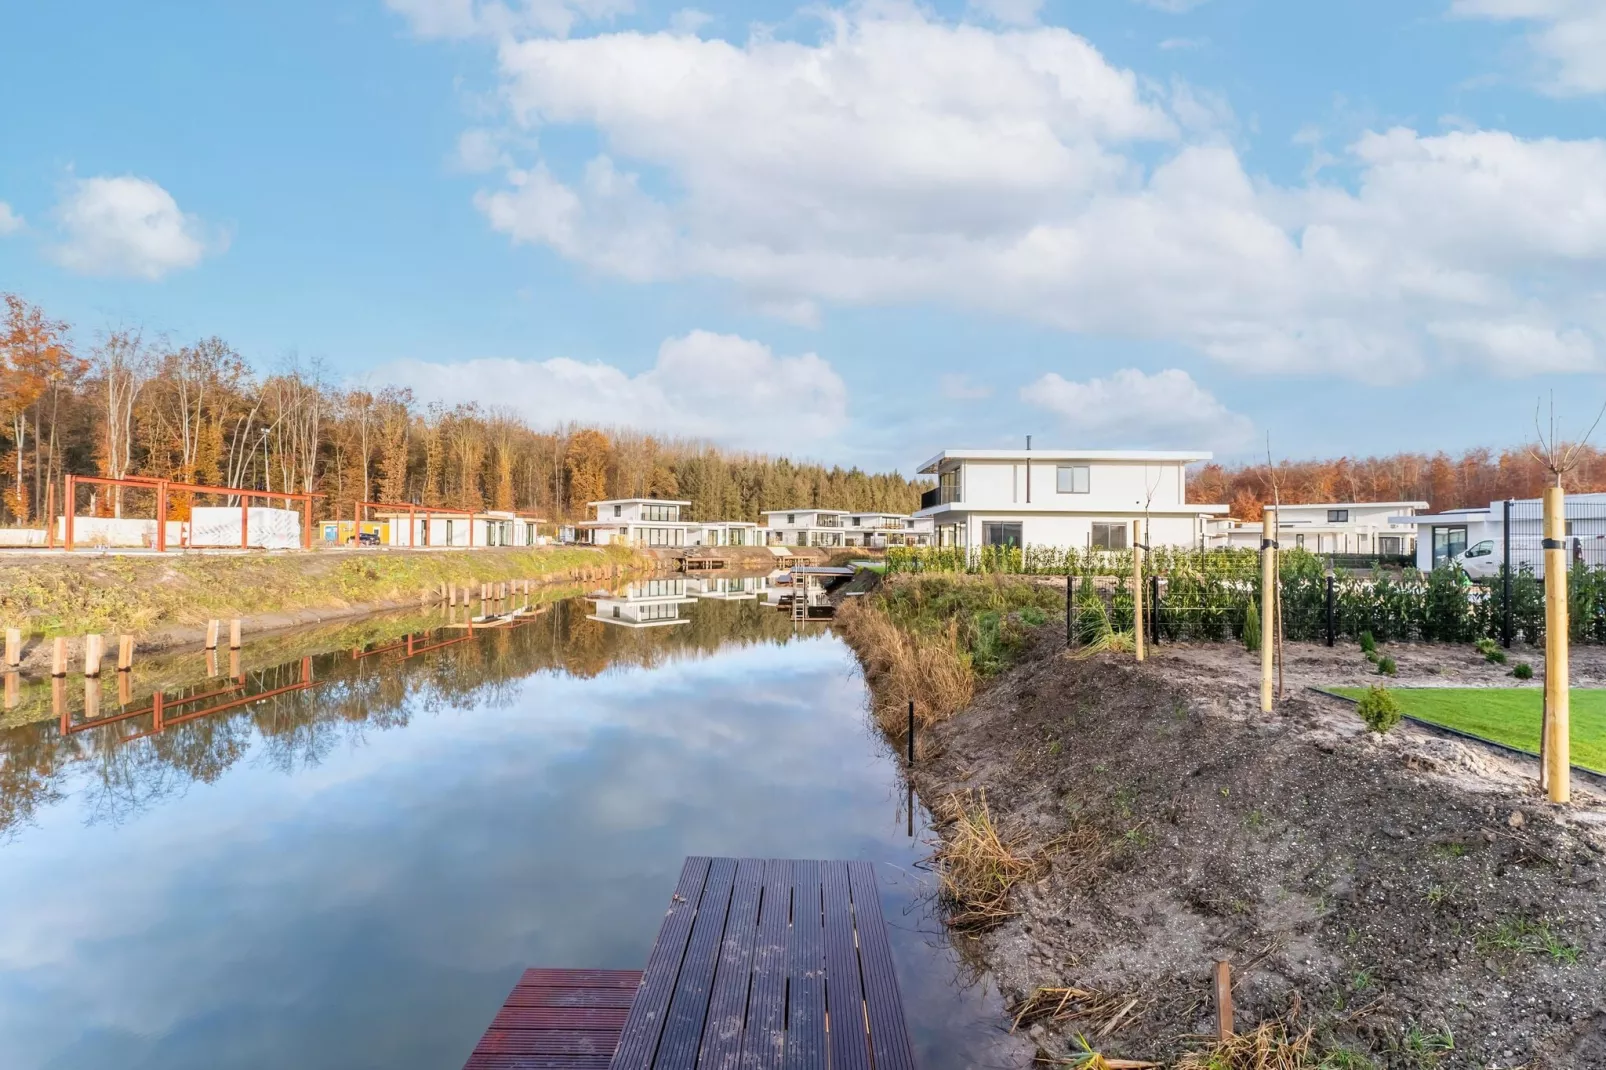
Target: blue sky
859,232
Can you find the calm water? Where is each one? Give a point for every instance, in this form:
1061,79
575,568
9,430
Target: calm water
355,874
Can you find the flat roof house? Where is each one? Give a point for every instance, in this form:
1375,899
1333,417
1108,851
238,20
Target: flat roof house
1445,535
1063,498
1379,528
725,533
636,522
805,527
887,529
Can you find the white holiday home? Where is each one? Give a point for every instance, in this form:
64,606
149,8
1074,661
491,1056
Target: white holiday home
1063,498
725,533
887,529
804,527
648,604
636,522
1382,528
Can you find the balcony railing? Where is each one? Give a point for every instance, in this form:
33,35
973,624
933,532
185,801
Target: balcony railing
939,496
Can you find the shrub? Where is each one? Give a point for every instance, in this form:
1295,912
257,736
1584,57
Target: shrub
1523,671
1386,667
1251,631
1378,709
1368,644
1372,656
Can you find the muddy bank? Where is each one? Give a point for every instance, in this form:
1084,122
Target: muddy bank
166,602
1412,900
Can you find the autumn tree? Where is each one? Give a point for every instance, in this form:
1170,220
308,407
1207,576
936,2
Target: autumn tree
35,365
587,463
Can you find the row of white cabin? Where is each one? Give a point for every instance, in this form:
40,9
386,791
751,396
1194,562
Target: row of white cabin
658,522
1047,498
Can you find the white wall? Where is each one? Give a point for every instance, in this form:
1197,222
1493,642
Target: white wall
999,484
1059,530
219,526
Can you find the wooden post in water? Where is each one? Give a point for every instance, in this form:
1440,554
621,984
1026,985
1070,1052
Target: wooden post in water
13,647
1557,695
91,697
125,689
1137,588
58,658
911,733
13,690
211,634
234,662
93,648
234,634
125,653
1268,623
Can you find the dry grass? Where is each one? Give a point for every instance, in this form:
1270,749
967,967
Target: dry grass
1102,1012
1267,1047
977,864
900,667
1090,1059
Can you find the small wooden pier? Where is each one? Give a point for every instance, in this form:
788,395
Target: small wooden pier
701,561
759,964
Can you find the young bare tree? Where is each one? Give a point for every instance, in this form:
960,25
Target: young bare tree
123,362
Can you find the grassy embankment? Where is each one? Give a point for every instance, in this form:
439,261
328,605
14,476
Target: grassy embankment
143,594
933,639
1506,715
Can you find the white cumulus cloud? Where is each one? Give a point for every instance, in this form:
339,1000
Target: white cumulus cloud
905,158
1567,39
1133,408
126,226
10,221
719,387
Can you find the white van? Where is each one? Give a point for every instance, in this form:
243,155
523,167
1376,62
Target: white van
1482,560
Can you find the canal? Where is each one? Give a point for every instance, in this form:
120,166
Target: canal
354,872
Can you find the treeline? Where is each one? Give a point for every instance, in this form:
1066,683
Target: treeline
1476,477
134,405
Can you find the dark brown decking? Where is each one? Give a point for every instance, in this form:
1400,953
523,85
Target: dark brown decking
558,1020
769,964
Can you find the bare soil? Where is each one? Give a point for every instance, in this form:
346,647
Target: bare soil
1411,898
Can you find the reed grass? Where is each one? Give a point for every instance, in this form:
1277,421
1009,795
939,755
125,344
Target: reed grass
1266,1047
902,667
978,864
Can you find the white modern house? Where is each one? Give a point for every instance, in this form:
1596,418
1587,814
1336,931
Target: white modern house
805,527
725,533
1477,534
1063,498
1381,528
492,527
637,522
648,604
886,529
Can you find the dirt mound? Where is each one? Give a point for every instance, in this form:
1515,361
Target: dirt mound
1409,898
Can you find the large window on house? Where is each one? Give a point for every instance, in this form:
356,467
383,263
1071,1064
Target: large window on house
1390,544
1001,534
1447,543
1109,535
1071,479
1338,516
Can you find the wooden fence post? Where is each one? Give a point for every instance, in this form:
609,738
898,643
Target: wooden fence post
211,634
13,647
234,634
93,645
1557,695
1224,1029
58,658
125,653
1137,588
1268,622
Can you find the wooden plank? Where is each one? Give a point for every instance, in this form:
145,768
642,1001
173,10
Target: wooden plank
889,1031
613,1018
549,1042
627,979
639,1044
683,1026
534,996
805,1013
764,1043
727,1006
515,1061
844,994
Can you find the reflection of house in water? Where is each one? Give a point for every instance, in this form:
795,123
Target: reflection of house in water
728,588
648,604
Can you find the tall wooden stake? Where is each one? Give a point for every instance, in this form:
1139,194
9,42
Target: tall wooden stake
1137,588
1268,619
1557,765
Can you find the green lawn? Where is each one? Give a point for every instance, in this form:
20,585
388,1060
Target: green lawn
1508,715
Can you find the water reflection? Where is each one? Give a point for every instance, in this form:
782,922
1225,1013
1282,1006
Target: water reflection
346,859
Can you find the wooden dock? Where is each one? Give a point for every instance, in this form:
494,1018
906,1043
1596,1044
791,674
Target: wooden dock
558,1020
759,965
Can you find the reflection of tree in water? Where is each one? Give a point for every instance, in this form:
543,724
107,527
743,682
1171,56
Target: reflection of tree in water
351,697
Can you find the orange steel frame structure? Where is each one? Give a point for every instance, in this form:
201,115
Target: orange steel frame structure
160,707
164,487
